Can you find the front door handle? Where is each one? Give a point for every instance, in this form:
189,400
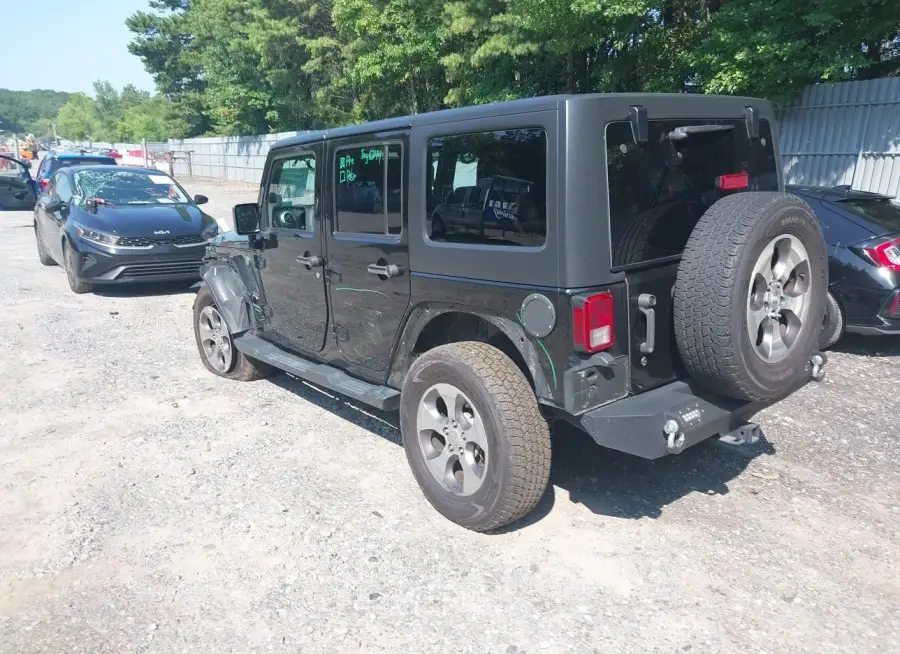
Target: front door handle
389,270
310,260
646,302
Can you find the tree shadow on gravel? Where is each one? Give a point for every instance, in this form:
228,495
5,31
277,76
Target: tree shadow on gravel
605,481
870,346
148,289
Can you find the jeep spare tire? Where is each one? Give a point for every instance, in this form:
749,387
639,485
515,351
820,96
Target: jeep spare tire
749,297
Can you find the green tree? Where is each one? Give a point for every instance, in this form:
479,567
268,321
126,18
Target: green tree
249,66
78,119
393,53
20,111
150,119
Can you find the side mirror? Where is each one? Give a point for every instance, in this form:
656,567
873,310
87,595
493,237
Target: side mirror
54,205
200,199
246,218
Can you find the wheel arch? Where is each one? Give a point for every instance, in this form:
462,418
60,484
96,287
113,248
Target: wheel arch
431,325
230,294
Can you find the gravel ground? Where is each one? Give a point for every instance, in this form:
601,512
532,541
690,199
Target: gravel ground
148,506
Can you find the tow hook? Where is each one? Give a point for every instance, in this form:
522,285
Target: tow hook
817,366
747,434
674,436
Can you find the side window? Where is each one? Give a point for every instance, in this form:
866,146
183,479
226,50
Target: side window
500,178
63,188
291,194
368,190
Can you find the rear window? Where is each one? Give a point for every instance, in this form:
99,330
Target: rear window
658,191
82,161
880,211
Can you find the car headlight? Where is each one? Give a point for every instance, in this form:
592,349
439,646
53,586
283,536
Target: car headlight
96,236
210,231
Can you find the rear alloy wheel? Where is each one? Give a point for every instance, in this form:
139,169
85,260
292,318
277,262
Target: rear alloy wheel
474,436
71,260
452,439
43,254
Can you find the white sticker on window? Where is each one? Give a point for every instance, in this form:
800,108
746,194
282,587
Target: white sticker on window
160,179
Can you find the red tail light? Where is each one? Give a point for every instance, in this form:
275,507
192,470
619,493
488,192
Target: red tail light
733,182
44,183
886,255
592,322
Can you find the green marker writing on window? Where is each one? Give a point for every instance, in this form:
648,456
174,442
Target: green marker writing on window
372,154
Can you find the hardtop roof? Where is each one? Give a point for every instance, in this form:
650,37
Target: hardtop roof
526,105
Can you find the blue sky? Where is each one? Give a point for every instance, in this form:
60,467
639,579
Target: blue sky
79,41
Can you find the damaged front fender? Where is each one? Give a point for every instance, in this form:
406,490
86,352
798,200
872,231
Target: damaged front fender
230,294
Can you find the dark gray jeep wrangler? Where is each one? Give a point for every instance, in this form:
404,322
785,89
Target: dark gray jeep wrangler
628,263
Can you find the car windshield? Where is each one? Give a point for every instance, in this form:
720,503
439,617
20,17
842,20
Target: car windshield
118,187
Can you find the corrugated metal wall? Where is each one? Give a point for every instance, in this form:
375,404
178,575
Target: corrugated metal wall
227,157
846,133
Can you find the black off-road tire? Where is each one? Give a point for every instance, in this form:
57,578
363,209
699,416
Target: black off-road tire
711,293
241,367
518,466
43,254
833,326
75,284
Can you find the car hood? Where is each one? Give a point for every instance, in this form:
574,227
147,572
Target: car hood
145,220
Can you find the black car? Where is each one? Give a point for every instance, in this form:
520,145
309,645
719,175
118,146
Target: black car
633,267
54,160
862,231
118,224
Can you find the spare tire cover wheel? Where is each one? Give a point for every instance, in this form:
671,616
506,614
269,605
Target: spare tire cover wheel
750,295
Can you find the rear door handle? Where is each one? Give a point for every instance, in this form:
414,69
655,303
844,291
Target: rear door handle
646,302
390,270
310,260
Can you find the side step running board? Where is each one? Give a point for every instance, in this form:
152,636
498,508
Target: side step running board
380,397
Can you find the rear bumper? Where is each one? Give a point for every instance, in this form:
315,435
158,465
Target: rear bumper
637,424
882,321
874,330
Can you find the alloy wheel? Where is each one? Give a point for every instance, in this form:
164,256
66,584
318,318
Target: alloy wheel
778,298
215,339
452,439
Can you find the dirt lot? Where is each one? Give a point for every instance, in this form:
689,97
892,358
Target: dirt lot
148,506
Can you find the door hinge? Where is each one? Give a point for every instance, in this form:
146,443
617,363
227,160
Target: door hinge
332,276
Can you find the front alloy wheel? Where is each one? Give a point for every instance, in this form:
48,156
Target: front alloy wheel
215,341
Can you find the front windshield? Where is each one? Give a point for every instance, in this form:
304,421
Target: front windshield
118,187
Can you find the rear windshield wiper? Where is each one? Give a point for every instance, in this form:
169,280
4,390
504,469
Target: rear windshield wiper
682,133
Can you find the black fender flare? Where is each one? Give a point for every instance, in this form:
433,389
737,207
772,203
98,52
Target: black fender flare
230,294
421,316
